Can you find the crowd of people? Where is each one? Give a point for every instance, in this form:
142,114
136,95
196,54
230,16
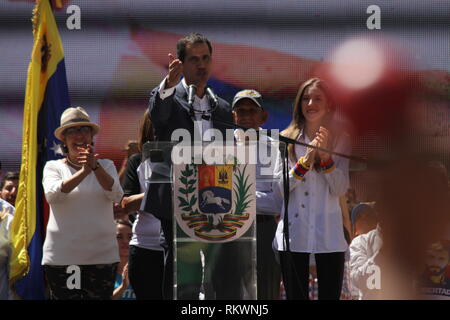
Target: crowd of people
118,229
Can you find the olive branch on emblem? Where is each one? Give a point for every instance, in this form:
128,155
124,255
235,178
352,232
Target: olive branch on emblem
241,192
188,179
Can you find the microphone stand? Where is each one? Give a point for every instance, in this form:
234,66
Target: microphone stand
292,141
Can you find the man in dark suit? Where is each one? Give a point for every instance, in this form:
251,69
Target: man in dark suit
169,110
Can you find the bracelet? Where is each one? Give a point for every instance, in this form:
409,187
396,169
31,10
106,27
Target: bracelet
300,169
328,166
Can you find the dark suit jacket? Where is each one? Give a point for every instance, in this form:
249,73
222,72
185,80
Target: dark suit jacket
168,115
172,113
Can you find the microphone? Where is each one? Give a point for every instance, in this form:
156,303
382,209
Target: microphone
211,94
191,93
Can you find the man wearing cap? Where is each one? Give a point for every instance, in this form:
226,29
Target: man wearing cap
248,112
169,110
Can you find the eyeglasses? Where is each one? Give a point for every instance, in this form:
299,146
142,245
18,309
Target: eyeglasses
75,130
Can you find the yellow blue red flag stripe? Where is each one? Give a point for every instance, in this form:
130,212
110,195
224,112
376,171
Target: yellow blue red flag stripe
45,99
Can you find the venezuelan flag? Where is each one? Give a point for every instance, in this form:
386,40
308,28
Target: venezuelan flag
46,98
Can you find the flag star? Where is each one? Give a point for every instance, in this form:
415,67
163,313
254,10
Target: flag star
57,149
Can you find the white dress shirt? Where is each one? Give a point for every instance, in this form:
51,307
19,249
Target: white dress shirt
315,217
268,199
202,104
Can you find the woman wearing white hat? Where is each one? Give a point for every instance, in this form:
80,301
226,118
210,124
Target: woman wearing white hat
80,253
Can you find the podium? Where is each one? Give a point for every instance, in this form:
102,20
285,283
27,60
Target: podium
214,211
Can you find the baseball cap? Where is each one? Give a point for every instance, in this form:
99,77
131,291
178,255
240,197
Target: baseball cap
251,94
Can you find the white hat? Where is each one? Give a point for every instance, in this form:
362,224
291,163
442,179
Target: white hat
73,117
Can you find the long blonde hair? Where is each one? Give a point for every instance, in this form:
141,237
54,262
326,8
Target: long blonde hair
298,119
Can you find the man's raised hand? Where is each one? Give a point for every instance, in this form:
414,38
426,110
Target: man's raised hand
175,71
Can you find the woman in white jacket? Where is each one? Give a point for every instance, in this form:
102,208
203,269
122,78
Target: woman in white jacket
80,254
317,180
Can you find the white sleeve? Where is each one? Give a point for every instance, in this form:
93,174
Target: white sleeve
5,231
52,182
9,219
116,193
338,178
269,199
163,92
269,203
278,175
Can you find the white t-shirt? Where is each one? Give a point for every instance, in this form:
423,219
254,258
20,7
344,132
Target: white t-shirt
146,228
81,228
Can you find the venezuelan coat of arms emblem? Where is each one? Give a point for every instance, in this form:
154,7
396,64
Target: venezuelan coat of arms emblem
214,203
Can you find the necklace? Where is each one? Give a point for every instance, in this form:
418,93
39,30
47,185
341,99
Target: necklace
73,164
